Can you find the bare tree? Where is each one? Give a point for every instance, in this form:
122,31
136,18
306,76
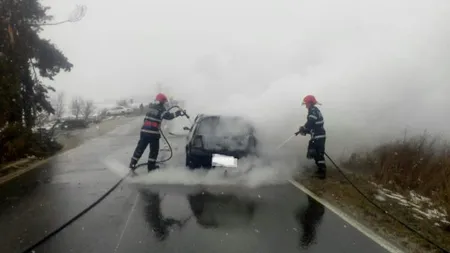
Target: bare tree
59,105
103,112
75,16
122,102
77,106
87,108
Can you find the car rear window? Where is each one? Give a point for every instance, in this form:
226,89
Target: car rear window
224,126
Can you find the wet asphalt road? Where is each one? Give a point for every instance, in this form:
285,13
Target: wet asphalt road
161,218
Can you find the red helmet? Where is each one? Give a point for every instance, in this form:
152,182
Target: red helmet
309,100
161,98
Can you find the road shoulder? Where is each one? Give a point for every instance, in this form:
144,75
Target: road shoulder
340,194
347,218
70,140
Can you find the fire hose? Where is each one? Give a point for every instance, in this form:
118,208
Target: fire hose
95,203
76,217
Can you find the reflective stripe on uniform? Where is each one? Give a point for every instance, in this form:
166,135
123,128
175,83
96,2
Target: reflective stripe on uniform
148,123
319,136
152,119
312,116
151,160
319,122
149,131
134,158
321,162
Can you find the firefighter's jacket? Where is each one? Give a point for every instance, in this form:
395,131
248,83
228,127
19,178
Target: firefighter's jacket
154,117
314,124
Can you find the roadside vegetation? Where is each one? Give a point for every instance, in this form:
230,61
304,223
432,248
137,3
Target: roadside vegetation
26,60
409,178
420,164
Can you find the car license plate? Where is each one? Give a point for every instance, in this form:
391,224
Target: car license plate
224,161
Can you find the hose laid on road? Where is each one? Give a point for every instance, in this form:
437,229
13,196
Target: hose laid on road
95,203
384,211
76,217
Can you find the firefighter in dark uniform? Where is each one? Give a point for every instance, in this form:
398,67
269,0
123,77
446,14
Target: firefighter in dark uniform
314,127
150,134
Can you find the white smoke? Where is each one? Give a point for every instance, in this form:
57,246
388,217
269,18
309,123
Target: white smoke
377,66
260,174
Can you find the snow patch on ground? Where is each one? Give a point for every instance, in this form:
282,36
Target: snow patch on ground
422,206
380,197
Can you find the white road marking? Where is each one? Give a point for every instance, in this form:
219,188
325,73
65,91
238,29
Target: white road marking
363,229
126,223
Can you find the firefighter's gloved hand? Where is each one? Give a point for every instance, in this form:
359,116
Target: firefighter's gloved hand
302,131
132,165
179,113
185,113
298,132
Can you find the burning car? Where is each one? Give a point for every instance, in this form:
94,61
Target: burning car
214,136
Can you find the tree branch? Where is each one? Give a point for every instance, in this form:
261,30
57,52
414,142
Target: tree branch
76,15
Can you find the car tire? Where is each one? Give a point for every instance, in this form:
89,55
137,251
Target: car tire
191,162
252,147
188,161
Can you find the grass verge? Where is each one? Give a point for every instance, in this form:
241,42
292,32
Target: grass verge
404,167
420,163
336,190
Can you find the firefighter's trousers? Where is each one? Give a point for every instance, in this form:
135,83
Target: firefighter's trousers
316,151
145,140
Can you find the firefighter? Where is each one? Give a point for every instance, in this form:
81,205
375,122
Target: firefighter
150,134
141,108
314,127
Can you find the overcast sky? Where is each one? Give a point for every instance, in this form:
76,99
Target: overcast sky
381,65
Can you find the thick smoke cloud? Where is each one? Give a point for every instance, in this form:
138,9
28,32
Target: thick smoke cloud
378,67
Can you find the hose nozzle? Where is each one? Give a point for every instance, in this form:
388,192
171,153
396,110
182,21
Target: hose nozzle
184,111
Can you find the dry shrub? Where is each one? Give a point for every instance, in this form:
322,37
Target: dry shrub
419,163
13,143
17,142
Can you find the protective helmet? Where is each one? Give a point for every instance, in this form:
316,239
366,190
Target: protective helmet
310,99
161,98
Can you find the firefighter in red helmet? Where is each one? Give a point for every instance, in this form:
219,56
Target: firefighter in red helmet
150,134
314,127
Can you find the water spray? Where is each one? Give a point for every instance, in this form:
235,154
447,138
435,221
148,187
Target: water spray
286,141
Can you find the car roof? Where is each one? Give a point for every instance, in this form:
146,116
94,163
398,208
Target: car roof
201,117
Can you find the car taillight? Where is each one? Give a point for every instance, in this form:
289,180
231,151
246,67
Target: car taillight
198,143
